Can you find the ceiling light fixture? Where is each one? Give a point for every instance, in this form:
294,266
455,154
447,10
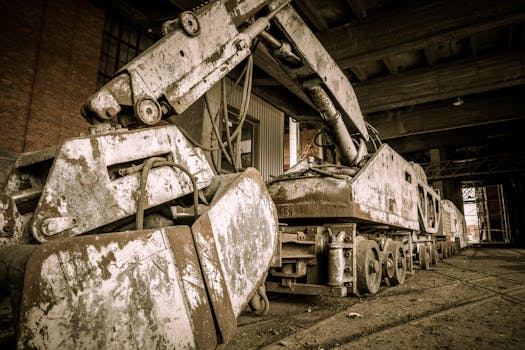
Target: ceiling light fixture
458,102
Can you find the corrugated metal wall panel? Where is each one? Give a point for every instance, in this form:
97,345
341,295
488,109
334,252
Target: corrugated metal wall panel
271,132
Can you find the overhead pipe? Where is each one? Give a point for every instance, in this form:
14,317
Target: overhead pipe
337,128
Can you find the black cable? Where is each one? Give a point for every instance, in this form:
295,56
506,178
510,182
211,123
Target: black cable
155,162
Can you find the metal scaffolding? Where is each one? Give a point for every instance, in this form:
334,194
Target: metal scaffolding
475,168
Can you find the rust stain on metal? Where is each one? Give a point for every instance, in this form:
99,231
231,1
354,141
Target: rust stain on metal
79,185
121,290
367,196
242,216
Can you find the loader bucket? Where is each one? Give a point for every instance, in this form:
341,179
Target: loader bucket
172,287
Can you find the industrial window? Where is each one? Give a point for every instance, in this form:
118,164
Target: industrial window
245,152
122,41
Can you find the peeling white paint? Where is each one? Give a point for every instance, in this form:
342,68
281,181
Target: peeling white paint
210,269
193,285
111,297
452,223
245,231
79,184
382,190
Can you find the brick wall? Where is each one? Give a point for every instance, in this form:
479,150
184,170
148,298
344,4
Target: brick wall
49,62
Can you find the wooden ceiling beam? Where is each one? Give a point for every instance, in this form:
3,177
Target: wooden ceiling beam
265,61
394,33
470,136
312,14
358,8
359,73
430,55
392,68
286,102
511,33
265,82
440,82
475,111
474,44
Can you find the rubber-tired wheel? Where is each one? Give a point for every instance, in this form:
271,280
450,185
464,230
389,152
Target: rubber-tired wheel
424,258
400,265
368,266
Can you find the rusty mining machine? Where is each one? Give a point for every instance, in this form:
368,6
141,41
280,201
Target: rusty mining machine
128,238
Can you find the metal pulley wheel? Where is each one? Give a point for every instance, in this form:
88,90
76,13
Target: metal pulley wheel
369,271
148,111
189,23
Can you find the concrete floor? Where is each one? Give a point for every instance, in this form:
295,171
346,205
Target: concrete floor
474,300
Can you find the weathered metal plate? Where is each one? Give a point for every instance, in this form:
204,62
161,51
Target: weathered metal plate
427,204
320,190
385,188
235,241
452,223
241,10
383,191
80,195
183,67
118,290
180,67
319,60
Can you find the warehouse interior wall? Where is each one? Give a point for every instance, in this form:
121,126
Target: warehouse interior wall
50,58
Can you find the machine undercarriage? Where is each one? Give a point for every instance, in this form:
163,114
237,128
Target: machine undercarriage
347,229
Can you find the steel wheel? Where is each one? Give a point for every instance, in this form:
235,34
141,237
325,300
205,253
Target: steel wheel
424,258
389,262
434,256
444,250
368,266
400,265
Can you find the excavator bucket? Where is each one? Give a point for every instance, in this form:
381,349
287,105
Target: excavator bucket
236,240
140,289
175,287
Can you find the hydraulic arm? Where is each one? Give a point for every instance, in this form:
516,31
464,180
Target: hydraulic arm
198,49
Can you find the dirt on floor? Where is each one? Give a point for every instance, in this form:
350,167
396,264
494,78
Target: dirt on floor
473,300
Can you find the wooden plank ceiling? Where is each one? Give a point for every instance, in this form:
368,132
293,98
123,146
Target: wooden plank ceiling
428,74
